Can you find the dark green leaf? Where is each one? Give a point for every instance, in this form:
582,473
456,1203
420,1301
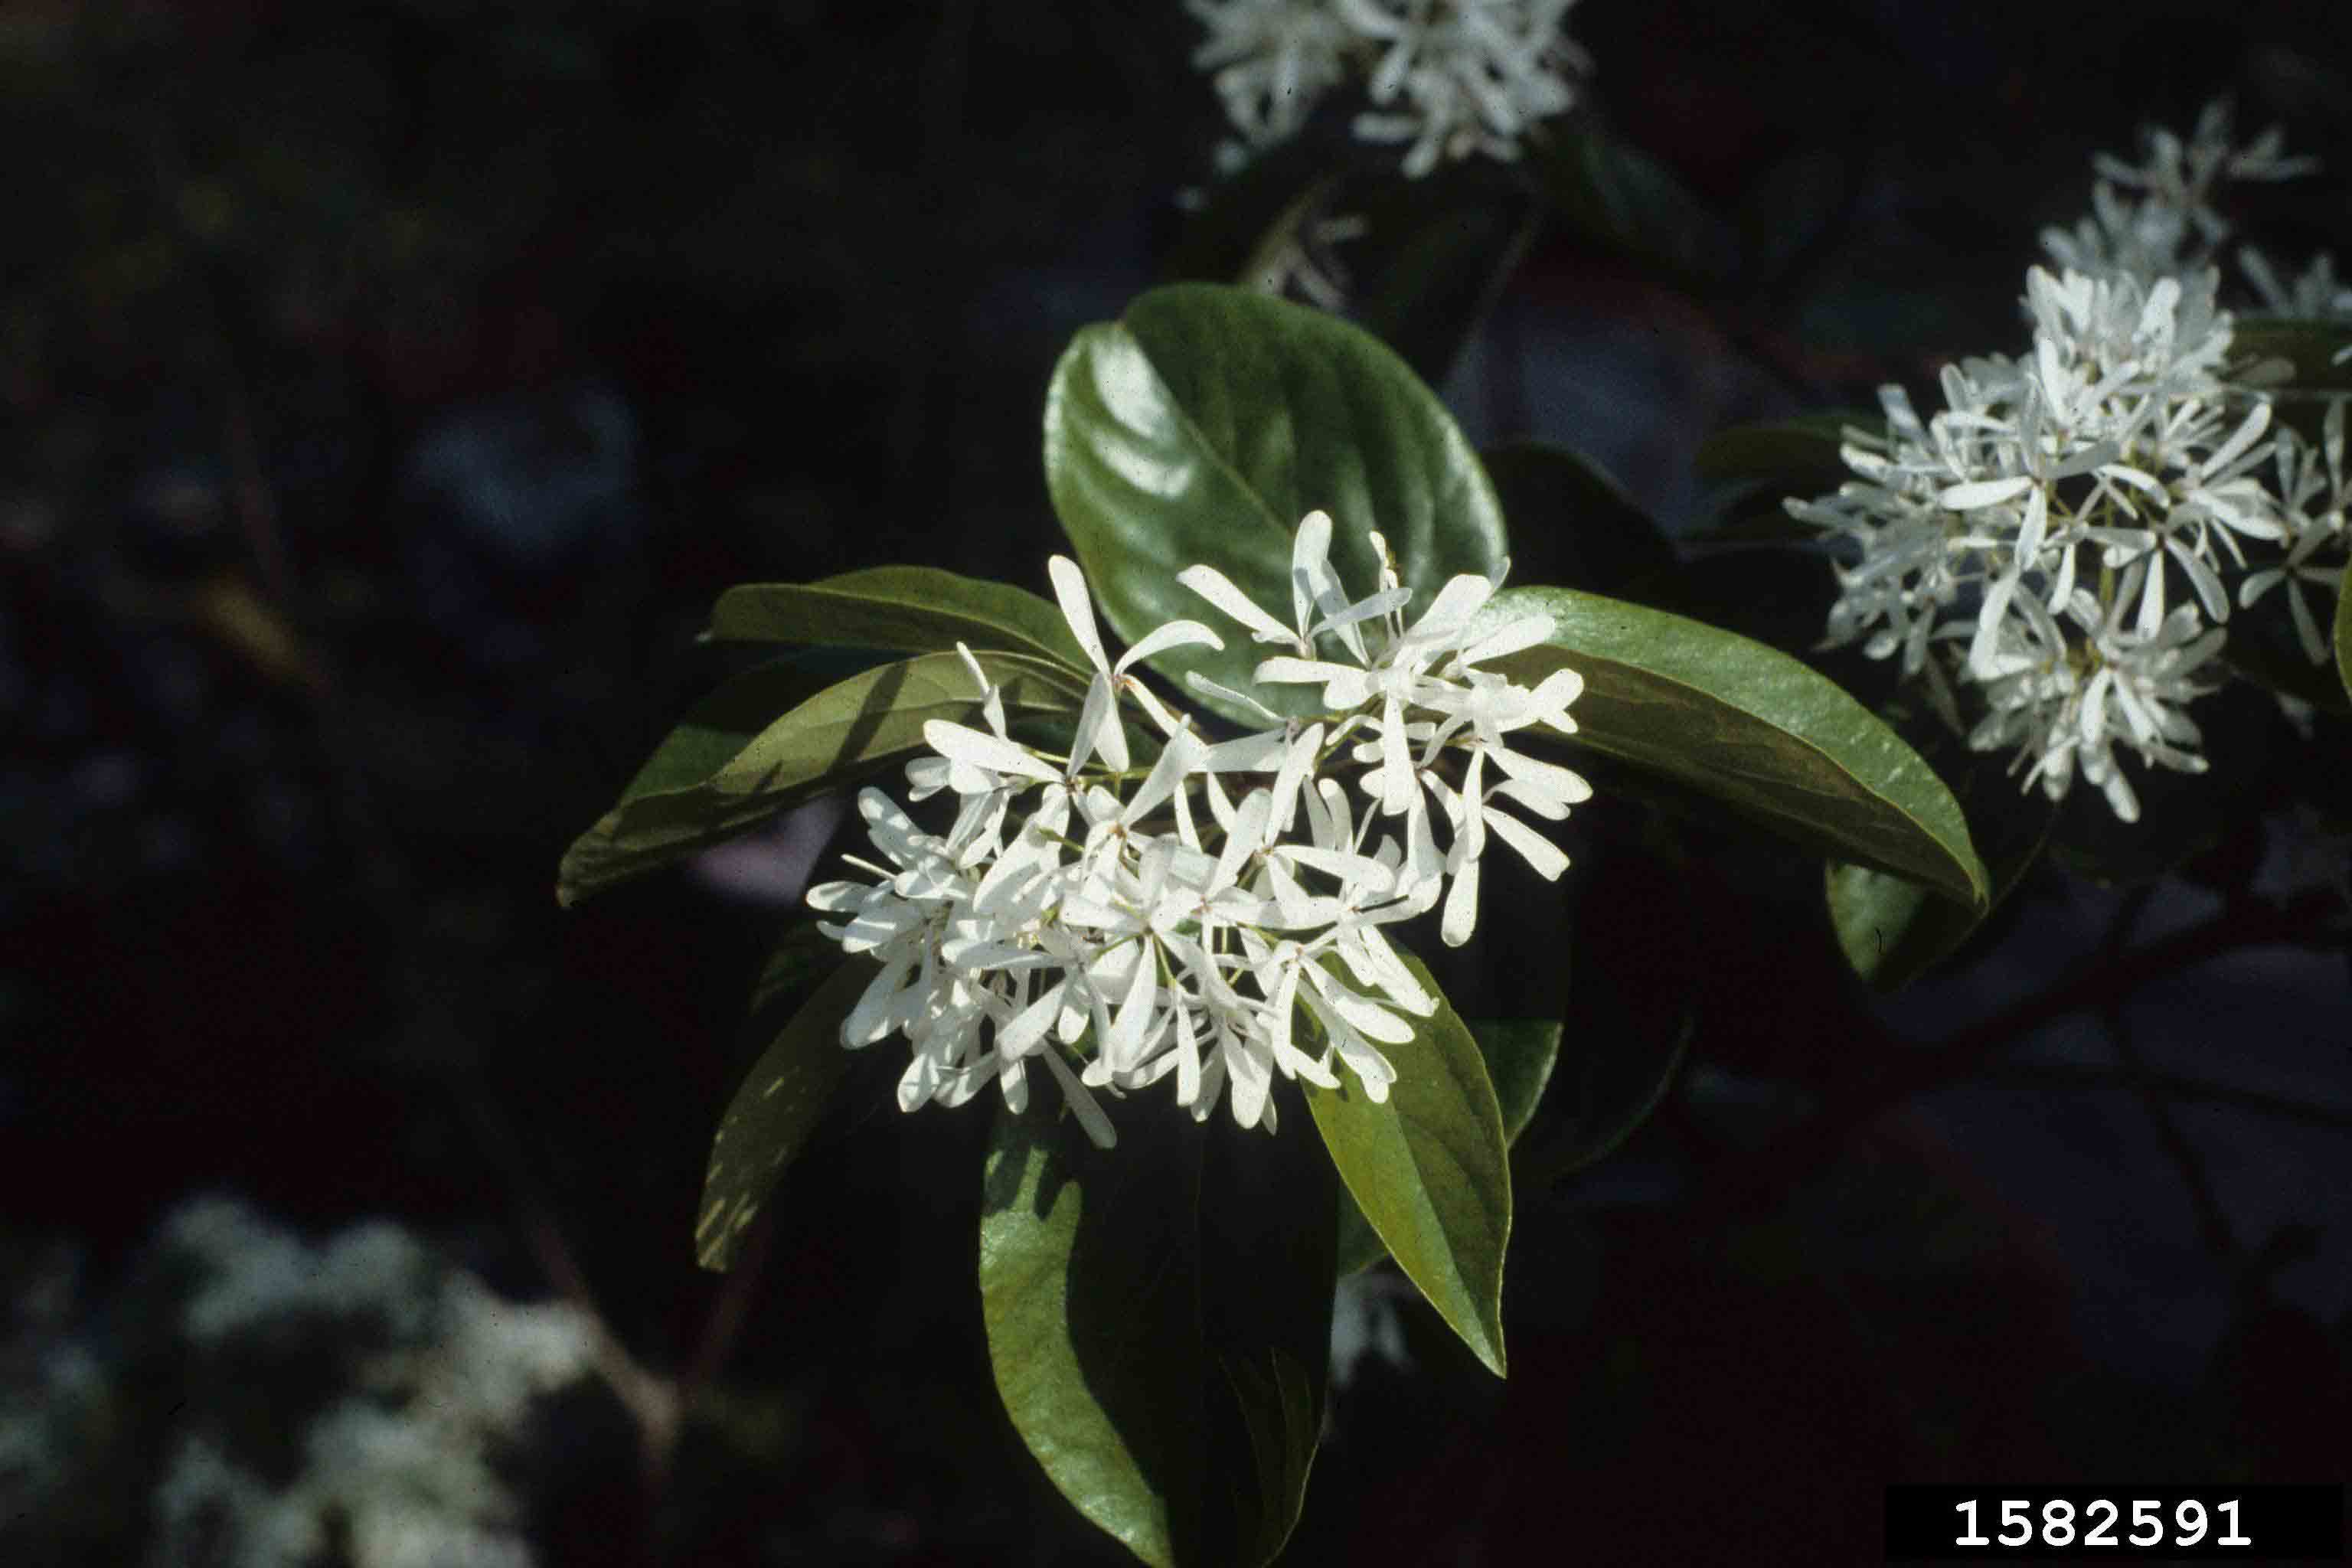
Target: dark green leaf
1892,929
1159,1317
1635,963
1614,193
1569,522
722,724
1750,728
1434,259
2343,629
842,731
1798,455
781,1099
2309,347
1203,424
1430,1168
909,609
1789,210
1519,1054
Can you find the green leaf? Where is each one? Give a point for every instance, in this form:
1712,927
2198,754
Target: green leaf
1158,1319
910,609
1748,727
2309,347
1892,930
1430,1167
1613,192
2344,630
1571,523
847,729
1434,259
1613,1088
1635,961
1799,455
1519,1054
1205,422
780,1101
723,722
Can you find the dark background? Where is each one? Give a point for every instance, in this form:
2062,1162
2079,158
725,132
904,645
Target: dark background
389,389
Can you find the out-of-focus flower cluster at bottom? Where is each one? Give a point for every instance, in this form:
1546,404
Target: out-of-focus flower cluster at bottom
392,1382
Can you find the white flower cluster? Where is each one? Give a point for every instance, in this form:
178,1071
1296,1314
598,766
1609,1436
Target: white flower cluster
1146,912
2061,536
1450,77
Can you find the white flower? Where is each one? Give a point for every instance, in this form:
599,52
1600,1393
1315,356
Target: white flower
1098,726
2157,217
1459,77
1450,77
1273,60
2312,501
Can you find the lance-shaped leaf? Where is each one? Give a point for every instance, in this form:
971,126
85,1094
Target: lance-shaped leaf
1158,1319
1635,963
1748,727
843,731
1614,193
1430,1167
1892,929
909,609
2344,630
1431,262
781,1099
1206,422
1519,1054
2315,350
1800,456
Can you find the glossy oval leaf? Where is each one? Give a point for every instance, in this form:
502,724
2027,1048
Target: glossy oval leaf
1430,1167
1750,727
1159,1320
1519,1054
1207,421
780,1102
843,730
908,609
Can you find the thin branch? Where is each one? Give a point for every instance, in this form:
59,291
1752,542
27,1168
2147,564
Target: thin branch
1743,1185
2177,1086
651,1400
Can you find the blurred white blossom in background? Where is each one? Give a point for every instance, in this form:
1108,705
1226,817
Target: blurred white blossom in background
397,1383
2056,553
1446,77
